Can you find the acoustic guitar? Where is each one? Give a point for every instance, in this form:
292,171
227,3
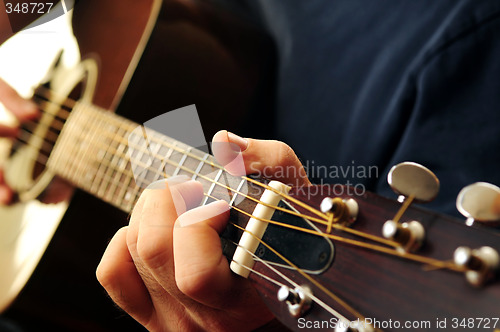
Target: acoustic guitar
322,257
183,60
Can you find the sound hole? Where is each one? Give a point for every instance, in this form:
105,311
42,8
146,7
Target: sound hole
55,110
36,139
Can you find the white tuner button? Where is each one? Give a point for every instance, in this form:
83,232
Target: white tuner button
410,179
413,183
479,201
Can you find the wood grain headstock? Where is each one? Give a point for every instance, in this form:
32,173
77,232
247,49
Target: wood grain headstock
422,289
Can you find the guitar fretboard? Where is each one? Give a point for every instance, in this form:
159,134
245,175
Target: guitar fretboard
115,159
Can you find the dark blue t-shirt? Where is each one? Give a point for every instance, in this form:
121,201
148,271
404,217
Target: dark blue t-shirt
365,84
376,82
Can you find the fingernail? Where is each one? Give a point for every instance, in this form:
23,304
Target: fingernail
203,213
171,181
241,143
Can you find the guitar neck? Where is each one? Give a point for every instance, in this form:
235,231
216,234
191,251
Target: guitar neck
114,159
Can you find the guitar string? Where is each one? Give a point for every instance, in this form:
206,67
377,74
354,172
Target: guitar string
421,259
312,296
276,282
325,290
258,183
24,136
262,275
334,297
44,93
28,130
410,256
417,258
299,203
338,226
268,278
186,169
290,281
404,255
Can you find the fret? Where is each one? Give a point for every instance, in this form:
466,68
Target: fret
165,161
226,180
207,173
191,163
123,178
98,181
136,192
116,179
113,175
157,164
111,163
110,150
138,159
131,187
212,186
89,127
115,159
238,191
181,162
122,166
200,166
117,162
154,171
71,151
108,178
108,154
78,144
58,159
127,197
122,182
83,140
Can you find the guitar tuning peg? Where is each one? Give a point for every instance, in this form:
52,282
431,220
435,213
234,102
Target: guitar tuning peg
481,265
298,300
412,180
479,201
409,235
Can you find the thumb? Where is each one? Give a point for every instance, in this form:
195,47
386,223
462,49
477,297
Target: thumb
270,159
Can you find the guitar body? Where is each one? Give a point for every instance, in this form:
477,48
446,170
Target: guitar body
61,291
182,64
28,225
145,67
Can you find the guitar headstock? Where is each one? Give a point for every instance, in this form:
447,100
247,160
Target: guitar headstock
393,265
